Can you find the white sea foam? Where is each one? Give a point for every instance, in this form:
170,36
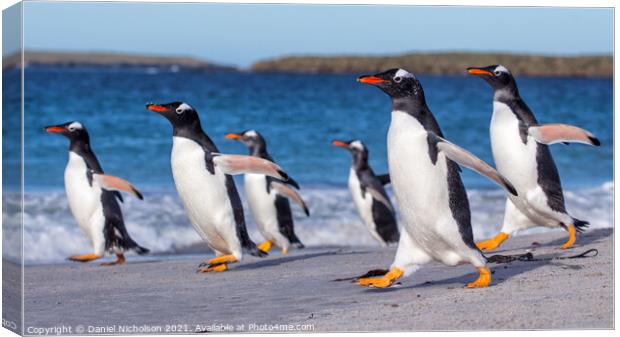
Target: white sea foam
159,222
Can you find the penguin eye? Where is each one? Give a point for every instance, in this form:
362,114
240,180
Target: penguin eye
72,128
397,79
179,111
497,72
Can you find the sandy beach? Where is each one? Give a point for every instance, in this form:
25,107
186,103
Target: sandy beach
165,294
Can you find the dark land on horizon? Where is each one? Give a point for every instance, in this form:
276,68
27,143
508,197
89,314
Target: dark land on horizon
453,63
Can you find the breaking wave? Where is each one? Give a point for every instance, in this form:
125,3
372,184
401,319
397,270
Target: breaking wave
159,222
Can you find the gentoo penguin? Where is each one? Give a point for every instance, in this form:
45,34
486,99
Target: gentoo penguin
268,198
92,198
521,154
369,196
424,173
203,180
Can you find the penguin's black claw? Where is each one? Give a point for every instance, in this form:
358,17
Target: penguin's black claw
595,141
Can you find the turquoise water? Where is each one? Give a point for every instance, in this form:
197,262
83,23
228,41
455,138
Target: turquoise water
298,115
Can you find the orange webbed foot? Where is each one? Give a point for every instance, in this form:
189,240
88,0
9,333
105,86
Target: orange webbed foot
483,280
217,268
120,259
84,258
217,264
383,281
265,246
493,243
571,237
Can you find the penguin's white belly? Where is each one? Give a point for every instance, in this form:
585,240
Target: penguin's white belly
84,200
204,196
517,162
421,189
514,159
262,205
363,204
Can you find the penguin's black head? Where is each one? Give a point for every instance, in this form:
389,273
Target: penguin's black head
397,83
74,130
358,150
179,114
497,76
250,138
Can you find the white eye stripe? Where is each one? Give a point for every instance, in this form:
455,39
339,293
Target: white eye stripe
403,73
356,144
184,106
75,125
501,68
250,133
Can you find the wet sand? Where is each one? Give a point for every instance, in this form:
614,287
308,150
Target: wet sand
165,294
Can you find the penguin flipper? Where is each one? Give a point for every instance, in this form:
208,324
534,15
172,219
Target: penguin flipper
238,164
290,193
562,133
113,183
119,196
467,159
293,183
380,197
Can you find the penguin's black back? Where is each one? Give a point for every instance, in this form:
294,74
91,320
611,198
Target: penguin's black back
114,231
385,222
285,220
383,217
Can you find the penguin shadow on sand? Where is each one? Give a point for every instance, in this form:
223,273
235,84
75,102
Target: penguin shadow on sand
285,259
502,272
586,238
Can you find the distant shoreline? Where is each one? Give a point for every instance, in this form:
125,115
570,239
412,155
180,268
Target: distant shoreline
70,59
444,64
453,63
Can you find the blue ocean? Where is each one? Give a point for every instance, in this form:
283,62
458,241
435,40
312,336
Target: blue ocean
298,115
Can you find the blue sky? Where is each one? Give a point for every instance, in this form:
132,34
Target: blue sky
242,34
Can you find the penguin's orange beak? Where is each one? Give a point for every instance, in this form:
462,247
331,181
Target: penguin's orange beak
233,136
340,143
55,129
156,108
371,80
478,71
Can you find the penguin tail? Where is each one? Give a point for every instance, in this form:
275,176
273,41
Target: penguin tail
392,240
117,238
141,250
295,242
580,225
